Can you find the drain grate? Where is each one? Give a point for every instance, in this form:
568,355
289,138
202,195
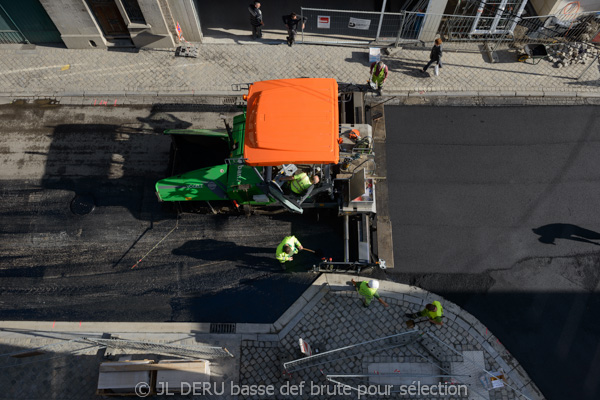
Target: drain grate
230,100
222,328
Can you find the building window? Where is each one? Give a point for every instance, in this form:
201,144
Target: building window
132,8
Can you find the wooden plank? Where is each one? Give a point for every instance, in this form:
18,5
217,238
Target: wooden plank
194,366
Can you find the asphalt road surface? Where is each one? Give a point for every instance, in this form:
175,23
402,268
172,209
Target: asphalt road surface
78,210
497,210
493,208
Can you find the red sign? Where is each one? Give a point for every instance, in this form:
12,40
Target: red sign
323,21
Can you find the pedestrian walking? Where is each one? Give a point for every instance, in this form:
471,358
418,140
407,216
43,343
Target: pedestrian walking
433,312
256,19
369,291
291,22
286,249
379,73
435,56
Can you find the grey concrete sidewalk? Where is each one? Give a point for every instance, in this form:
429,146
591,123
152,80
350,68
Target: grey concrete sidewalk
222,68
329,315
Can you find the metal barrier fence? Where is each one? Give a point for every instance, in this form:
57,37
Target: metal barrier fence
459,32
552,29
326,26
163,349
552,42
345,26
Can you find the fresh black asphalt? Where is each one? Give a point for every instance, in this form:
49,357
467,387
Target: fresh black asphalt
496,209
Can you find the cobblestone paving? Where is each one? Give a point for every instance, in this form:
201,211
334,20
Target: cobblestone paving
220,67
334,318
260,364
339,320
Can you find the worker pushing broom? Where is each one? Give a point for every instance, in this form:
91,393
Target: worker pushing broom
288,247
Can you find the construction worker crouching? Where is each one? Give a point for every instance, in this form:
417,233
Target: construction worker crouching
368,290
300,183
433,312
287,248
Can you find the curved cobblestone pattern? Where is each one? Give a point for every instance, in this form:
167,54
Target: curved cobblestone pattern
333,317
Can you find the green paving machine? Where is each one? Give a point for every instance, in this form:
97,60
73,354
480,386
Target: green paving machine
289,127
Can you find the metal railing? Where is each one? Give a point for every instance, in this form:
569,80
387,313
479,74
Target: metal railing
163,349
461,370
13,35
450,368
371,346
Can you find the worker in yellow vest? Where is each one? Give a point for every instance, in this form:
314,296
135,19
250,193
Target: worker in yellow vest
433,312
287,248
300,183
369,291
379,73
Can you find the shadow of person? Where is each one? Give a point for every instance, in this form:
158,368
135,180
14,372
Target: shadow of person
215,250
548,233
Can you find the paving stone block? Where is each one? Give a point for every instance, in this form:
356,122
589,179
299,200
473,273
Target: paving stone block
503,364
175,93
519,376
586,94
413,300
476,335
291,324
252,328
489,349
532,392
462,323
549,93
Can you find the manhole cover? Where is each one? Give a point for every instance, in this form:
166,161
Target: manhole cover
83,204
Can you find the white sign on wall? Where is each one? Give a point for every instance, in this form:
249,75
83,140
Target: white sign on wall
323,21
357,23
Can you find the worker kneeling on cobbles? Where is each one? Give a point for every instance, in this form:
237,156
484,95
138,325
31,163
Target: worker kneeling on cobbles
286,249
368,290
433,312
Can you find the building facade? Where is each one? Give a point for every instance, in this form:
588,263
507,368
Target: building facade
101,24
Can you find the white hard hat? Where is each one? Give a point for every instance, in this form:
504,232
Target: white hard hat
373,284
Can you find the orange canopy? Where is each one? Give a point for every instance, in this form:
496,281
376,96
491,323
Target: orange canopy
292,121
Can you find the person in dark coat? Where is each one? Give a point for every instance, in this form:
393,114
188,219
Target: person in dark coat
256,19
436,55
291,22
